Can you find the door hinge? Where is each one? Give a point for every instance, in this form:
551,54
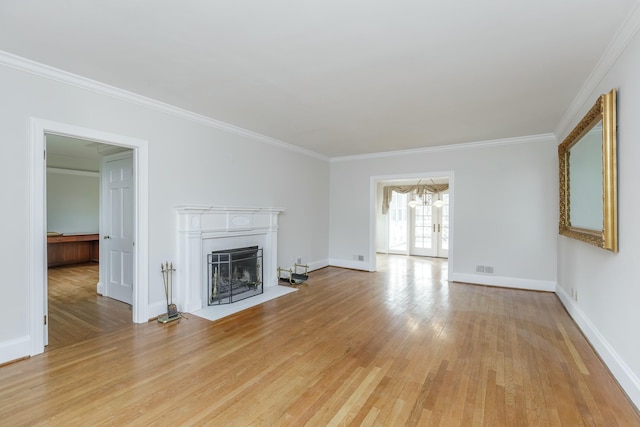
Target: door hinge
45,319
45,154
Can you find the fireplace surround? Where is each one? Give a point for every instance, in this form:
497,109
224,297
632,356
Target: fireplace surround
206,229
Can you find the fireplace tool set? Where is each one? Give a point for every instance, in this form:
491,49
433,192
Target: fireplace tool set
172,310
294,278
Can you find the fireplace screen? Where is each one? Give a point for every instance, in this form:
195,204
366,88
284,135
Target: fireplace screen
234,275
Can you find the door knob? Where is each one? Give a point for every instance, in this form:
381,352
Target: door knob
106,237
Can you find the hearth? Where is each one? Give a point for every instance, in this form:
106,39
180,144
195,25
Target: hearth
234,274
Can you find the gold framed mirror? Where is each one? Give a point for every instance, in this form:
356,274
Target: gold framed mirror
588,177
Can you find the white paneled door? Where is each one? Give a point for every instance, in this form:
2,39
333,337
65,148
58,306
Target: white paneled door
116,246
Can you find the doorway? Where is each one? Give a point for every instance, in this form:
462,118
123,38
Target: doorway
78,306
424,229
38,278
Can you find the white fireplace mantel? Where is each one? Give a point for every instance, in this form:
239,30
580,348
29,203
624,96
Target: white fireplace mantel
203,229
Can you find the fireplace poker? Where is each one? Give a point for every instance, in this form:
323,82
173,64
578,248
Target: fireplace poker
172,309
167,277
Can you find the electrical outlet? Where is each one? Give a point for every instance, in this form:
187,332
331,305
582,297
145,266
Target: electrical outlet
299,260
479,268
360,257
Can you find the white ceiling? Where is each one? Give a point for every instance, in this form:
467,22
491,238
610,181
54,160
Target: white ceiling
73,148
73,153
336,77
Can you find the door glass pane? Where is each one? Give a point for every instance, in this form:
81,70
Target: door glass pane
423,221
398,222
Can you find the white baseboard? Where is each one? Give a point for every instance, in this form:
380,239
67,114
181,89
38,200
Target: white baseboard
156,308
317,265
504,282
629,382
354,265
313,265
15,349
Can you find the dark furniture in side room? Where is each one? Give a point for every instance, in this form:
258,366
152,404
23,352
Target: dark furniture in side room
72,249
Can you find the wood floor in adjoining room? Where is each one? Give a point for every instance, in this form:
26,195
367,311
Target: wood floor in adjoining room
76,311
398,347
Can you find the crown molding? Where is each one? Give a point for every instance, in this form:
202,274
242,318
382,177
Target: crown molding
544,137
618,44
42,70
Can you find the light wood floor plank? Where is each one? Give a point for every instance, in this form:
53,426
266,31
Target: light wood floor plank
398,347
76,311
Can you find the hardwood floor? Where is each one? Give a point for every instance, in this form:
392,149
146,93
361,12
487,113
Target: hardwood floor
399,347
76,311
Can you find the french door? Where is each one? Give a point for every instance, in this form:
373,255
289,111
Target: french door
420,230
429,226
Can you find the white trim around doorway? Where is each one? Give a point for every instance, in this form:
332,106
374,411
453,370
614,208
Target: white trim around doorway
37,220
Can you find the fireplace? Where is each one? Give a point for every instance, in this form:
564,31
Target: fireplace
234,275
206,230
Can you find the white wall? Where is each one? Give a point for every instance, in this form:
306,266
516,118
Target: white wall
504,215
73,203
382,222
190,162
608,284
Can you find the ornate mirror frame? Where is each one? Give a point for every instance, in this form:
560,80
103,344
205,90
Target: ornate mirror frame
607,238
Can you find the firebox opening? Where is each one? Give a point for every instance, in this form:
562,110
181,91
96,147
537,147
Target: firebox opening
234,274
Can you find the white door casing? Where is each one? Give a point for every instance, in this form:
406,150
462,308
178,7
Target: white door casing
38,219
116,226
443,226
45,278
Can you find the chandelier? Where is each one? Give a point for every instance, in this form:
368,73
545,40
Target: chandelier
422,193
